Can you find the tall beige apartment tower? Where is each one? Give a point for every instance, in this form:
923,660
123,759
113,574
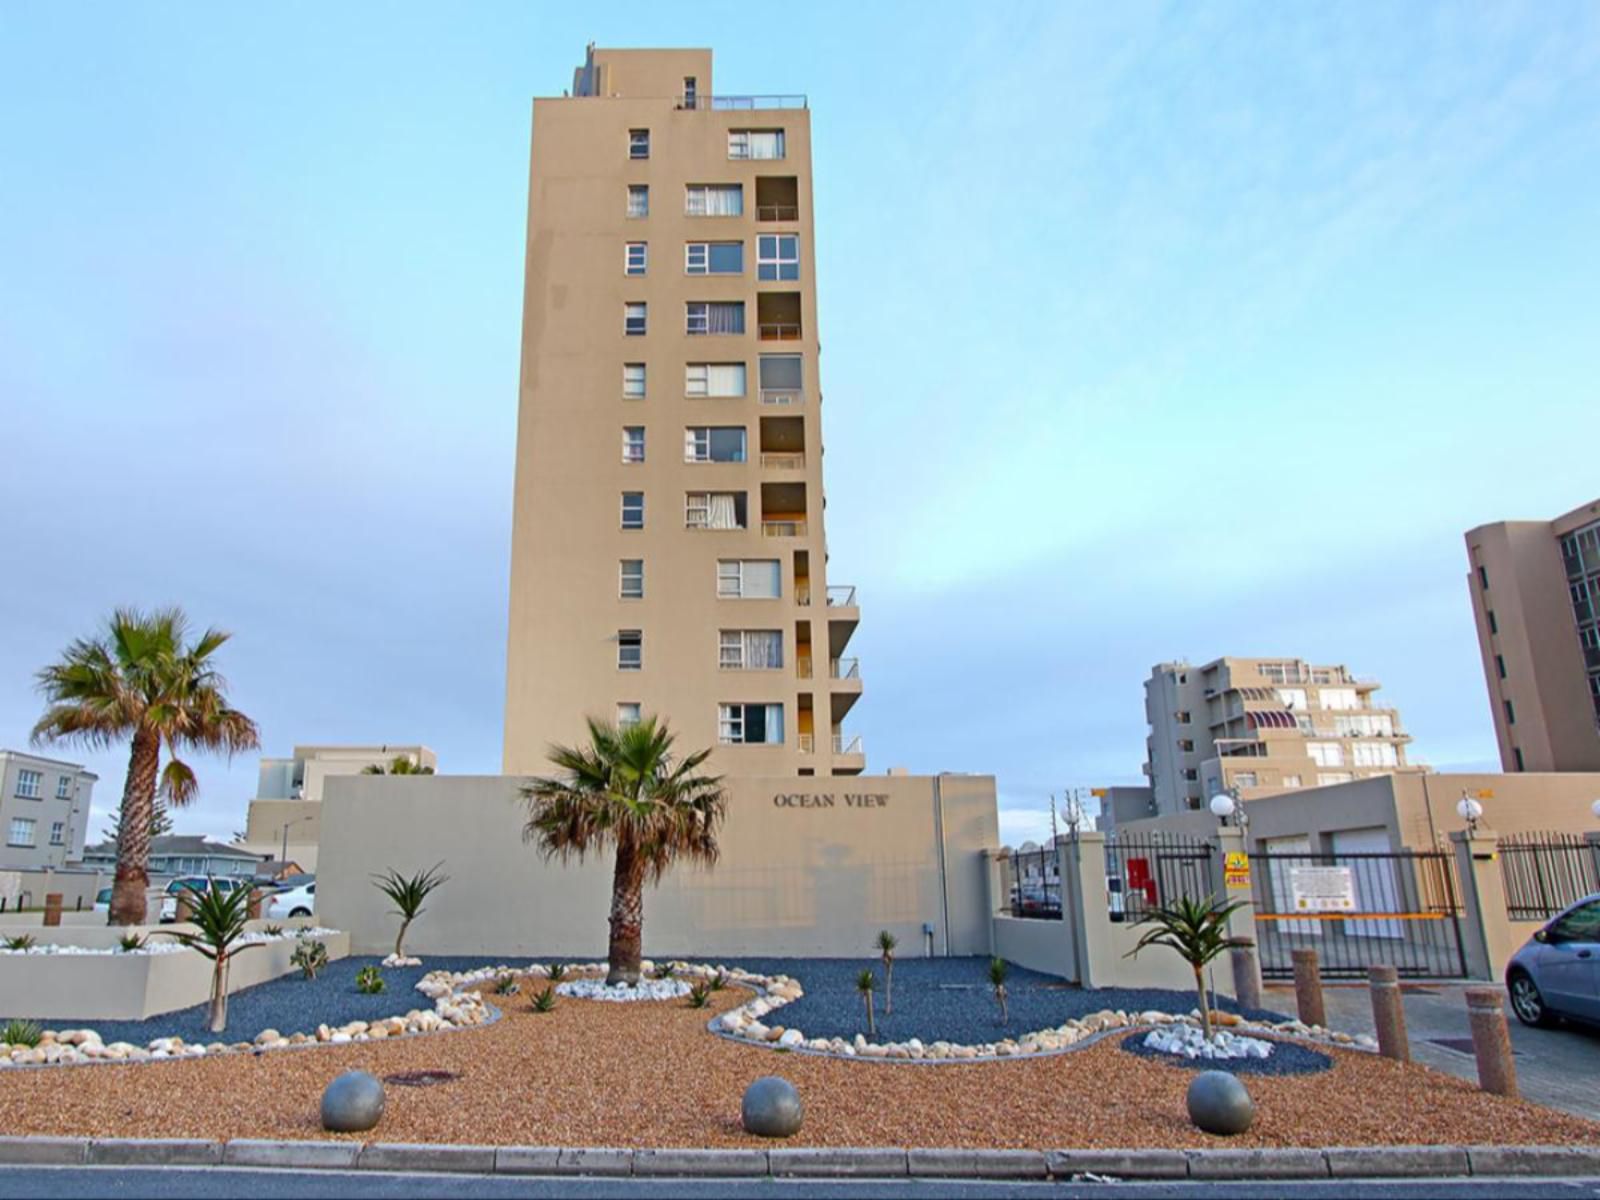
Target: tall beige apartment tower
1263,726
1536,599
668,553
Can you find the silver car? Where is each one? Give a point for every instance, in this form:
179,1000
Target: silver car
1557,973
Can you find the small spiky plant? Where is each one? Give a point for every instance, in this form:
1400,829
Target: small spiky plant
556,972
21,1033
506,985
866,983
997,980
886,943
408,893
130,942
545,1001
273,931
23,941
369,981
310,957
699,995
718,982
220,920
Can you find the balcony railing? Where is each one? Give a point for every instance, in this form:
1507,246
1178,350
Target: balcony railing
779,331
807,743
842,596
847,744
844,668
782,396
802,594
777,212
802,666
785,461
783,528
740,103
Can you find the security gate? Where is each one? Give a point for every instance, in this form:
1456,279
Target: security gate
1395,908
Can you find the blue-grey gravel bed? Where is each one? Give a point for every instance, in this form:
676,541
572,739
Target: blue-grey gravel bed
1287,1058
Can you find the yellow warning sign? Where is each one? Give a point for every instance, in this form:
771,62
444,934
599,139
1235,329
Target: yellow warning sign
1236,869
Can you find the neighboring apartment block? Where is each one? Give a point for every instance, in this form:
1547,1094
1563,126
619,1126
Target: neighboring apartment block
1536,599
1263,726
44,810
668,552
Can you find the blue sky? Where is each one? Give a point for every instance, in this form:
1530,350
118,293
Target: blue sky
1151,331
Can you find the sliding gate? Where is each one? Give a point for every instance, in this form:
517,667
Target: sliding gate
1399,908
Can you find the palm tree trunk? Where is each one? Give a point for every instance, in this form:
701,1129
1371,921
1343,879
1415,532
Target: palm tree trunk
133,842
872,1028
888,987
627,915
400,941
1000,995
1205,1005
219,994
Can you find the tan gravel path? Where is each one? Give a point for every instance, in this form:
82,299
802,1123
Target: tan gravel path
594,1073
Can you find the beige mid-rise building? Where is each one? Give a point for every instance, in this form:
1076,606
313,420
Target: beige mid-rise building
1536,599
668,552
1261,726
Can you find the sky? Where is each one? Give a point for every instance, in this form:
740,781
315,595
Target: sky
1151,332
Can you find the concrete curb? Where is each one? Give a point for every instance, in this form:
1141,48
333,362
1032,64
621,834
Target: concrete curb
873,1162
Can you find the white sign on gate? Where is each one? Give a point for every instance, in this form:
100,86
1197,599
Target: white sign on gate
1322,889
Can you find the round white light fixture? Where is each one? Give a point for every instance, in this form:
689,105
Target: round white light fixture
1222,806
1595,809
1469,809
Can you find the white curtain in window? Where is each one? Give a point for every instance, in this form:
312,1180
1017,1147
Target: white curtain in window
766,143
774,723
725,318
725,379
723,514
761,579
763,649
726,201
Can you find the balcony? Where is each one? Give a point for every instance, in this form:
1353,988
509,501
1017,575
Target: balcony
842,596
847,743
784,528
802,666
785,396
807,742
849,757
784,462
783,443
845,689
778,198
776,100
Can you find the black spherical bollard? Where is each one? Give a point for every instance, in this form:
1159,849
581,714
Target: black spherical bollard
1219,1103
772,1108
352,1103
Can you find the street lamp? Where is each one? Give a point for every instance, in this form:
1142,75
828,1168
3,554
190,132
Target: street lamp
1227,804
1470,810
1595,809
284,857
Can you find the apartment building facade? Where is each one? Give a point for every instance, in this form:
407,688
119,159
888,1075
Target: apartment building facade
44,810
668,549
1259,727
1535,588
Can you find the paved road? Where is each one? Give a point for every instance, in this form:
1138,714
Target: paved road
1555,1067
183,1183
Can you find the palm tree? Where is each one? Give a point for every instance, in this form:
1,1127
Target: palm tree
865,983
1198,931
886,944
408,894
220,921
142,679
997,980
627,791
400,764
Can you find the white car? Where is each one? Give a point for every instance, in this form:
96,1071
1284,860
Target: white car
102,901
193,883
292,902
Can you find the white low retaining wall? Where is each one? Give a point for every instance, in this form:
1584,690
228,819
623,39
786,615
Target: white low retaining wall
125,987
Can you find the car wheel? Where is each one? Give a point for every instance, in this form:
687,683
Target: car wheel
300,912
1528,1003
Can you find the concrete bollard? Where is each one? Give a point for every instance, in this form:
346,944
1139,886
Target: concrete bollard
52,908
257,895
1389,1013
185,906
1308,987
1491,1041
1246,976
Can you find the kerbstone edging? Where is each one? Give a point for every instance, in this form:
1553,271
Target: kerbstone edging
1368,1162
154,1152
43,1151
297,1156
1534,1160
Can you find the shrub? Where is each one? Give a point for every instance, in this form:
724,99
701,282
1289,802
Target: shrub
408,893
997,980
1197,930
664,971
131,942
886,942
545,1001
700,995
310,957
21,1033
218,920
23,941
506,985
557,972
369,981
718,982
273,931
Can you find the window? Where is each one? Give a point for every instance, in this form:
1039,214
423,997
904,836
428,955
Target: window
713,200
781,378
634,258
1516,754
749,579
1326,754
1186,745
633,510
1582,924
714,510
1337,698
63,787
1483,579
777,256
1375,754
1290,781
716,316
638,143
1244,779
633,319
713,258
1494,626
28,784
713,379
750,649
638,200
1511,712
633,443
629,712
755,143
750,724
633,381
710,443
1190,774
632,579
58,830
630,649
21,832
691,91
1294,699
1183,717
1500,665
1324,779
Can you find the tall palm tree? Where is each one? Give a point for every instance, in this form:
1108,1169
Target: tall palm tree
144,680
400,764
1197,930
628,792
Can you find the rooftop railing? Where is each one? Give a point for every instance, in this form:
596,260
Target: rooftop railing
741,103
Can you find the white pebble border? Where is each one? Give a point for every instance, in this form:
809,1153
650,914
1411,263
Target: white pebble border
167,944
1188,1041
645,989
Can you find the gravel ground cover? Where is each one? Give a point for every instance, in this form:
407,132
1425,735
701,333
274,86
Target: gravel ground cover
1287,1058
592,1073
949,999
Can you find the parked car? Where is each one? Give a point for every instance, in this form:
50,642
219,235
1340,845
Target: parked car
292,902
1557,973
199,884
102,901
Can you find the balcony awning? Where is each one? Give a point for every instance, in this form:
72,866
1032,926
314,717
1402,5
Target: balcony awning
1272,719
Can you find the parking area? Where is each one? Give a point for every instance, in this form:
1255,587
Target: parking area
1555,1067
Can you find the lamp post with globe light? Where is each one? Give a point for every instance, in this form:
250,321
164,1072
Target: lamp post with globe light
1471,811
1227,804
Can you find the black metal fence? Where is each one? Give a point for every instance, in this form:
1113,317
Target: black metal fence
1146,870
1035,884
1545,872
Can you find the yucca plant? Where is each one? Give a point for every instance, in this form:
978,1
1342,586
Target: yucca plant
506,985
886,943
20,1033
130,942
718,982
699,995
23,941
865,984
369,981
545,1001
273,931
1197,930
310,956
998,970
557,972
664,971
408,893
219,919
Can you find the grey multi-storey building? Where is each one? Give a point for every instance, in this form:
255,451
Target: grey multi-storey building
44,810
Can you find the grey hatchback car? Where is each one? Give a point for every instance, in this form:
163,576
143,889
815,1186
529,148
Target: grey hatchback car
1557,973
